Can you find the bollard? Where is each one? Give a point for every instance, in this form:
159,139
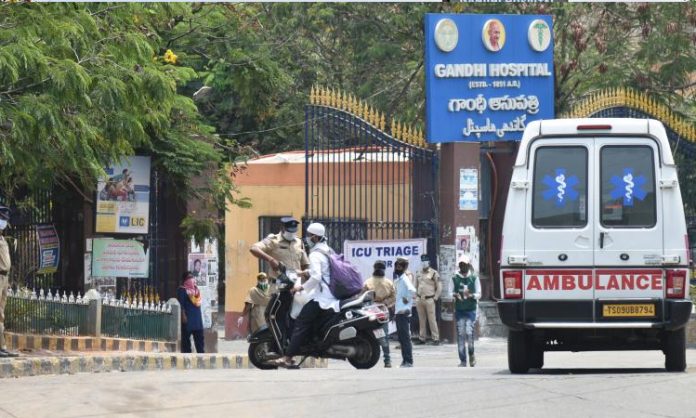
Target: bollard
175,324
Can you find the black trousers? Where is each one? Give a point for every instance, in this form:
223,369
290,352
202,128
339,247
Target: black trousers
186,340
311,318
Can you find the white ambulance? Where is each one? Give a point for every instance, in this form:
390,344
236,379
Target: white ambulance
595,250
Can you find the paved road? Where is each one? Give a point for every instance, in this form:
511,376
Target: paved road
630,384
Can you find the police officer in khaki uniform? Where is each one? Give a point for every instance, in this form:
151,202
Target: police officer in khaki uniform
5,265
428,288
284,247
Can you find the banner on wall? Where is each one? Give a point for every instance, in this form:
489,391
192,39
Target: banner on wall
119,258
49,248
123,197
363,254
468,189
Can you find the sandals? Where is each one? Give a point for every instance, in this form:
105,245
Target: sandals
281,362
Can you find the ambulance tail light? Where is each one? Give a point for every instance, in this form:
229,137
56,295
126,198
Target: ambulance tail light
676,284
512,284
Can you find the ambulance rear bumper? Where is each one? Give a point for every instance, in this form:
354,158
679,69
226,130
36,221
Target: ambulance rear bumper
579,315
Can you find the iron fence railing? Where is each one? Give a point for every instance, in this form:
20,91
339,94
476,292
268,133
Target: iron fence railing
136,323
43,313
29,313
364,183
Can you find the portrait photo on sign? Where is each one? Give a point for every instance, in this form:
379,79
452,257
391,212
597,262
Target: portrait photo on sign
493,35
463,244
198,266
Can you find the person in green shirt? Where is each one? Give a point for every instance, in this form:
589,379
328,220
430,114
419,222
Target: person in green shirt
467,292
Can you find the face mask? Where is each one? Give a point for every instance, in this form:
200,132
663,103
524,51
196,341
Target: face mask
425,264
3,224
289,236
262,285
309,243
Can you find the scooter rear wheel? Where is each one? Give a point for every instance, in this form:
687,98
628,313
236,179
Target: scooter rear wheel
367,351
258,355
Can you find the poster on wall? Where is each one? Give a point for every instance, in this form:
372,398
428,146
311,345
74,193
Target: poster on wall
447,262
209,250
198,266
202,265
467,244
106,286
468,189
88,270
206,306
119,258
363,254
49,248
123,197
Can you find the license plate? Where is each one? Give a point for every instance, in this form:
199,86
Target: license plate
635,310
379,333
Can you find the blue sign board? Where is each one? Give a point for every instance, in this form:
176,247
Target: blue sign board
487,76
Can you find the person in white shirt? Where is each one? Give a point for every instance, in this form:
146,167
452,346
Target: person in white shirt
405,292
322,305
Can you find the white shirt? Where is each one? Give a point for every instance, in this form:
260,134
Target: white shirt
319,269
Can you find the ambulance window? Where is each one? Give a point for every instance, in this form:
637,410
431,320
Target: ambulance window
628,186
560,187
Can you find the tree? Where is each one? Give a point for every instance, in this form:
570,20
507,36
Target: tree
82,85
262,59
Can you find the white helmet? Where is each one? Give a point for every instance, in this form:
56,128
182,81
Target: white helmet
316,229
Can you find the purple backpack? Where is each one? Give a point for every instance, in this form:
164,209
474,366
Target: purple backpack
346,281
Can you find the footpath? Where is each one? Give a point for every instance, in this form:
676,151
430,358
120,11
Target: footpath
42,361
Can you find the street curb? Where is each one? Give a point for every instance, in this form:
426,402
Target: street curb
40,366
19,342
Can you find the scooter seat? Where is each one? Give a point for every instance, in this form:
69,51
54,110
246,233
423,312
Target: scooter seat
356,300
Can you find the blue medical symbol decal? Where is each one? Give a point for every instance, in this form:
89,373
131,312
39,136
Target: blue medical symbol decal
560,187
628,186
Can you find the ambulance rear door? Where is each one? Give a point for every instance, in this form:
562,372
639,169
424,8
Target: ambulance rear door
559,231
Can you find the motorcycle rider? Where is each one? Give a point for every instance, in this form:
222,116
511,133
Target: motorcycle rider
322,304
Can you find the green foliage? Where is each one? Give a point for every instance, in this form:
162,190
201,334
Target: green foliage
262,59
82,85
648,47
199,229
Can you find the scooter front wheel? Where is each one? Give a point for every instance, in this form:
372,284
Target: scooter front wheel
367,351
258,355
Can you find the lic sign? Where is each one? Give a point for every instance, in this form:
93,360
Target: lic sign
487,76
